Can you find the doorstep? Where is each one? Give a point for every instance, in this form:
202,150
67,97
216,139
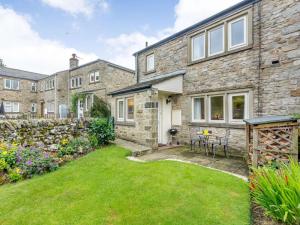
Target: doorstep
136,149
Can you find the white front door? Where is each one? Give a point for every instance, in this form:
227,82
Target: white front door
164,119
80,109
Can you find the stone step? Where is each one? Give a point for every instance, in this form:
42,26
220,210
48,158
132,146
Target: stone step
136,149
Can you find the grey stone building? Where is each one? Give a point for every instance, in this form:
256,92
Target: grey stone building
31,94
240,63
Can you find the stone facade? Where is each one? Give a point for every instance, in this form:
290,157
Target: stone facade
267,69
52,97
45,134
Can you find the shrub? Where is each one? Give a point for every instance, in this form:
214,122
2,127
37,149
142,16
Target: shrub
278,191
100,108
8,153
75,146
32,161
3,165
14,175
103,130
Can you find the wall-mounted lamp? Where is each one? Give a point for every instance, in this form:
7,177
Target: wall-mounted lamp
168,100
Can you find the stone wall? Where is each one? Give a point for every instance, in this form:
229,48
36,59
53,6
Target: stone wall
41,133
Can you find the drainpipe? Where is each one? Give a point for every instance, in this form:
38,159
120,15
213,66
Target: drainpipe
55,96
259,99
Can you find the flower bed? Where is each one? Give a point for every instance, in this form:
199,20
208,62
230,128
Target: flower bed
18,162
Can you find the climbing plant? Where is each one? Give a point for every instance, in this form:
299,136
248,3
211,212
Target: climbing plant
100,108
74,101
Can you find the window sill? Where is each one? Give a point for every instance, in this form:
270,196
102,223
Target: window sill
149,72
220,55
74,88
218,125
125,123
95,82
6,89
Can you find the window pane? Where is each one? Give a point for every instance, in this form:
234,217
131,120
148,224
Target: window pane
7,107
150,62
7,83
15,84
217,108
121,109
237,32
97,76
198,47
130,109
92,77
216,40
238,107
199,109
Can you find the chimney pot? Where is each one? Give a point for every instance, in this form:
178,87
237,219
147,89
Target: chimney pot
74,62
146,44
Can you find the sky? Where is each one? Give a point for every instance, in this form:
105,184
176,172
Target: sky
41,35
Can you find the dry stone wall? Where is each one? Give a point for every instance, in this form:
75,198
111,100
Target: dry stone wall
45,134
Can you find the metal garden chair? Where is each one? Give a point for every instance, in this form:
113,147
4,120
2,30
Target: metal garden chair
221,142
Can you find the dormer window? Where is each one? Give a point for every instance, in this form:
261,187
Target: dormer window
150,62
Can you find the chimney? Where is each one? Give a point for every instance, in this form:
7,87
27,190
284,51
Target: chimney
146,44
74,61
1,63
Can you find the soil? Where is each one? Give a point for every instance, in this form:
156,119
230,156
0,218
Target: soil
259,218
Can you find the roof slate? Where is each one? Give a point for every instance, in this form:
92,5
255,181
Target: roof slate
22,74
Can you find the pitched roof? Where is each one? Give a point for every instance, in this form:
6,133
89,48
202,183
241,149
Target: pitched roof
204,22
146,84
22,74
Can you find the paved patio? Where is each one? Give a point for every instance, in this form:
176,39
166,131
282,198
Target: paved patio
234,165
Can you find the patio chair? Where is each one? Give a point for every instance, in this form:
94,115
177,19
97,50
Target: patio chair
196,138
221,142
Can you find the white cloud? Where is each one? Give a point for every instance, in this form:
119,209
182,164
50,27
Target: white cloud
74,7
21,47
187,12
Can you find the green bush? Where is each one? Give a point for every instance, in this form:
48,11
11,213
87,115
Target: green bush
278,191
75,146
100,108
14,175
3,165
103,130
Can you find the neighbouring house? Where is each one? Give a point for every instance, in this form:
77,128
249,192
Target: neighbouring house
18,91
31,94
241,63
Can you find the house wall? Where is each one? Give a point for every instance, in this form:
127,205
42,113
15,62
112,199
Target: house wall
270,86
144,128
111,78
24,95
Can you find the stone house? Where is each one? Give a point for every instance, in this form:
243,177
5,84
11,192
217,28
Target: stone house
18,91
96,78
49,96
240,63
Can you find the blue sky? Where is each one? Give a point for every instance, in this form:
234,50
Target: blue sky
42,34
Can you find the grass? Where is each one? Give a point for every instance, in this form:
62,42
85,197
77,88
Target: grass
106,188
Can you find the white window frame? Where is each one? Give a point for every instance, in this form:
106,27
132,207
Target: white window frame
201,120
11,81
34,87
96,76
14,107
49,110
147,63
223,40
246,109
231,47
33,106
192,46
209,108
118,109
126,107
92,77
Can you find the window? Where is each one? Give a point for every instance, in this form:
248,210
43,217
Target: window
33,107
198,109
50,84
198,47
50,107
11,84
237,33
238,107
216,106
130,109
150,63
33,87
120,109
94,76
76,82
216,40
10,107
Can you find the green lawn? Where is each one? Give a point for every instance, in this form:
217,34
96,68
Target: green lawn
106,188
